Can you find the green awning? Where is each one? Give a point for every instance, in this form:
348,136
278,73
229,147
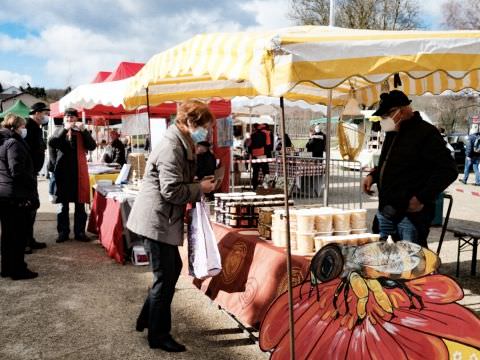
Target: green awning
19,108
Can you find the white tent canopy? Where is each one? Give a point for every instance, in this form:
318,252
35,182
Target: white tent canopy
88,96
268,104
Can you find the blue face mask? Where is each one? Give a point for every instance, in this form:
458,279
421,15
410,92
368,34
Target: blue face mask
199,134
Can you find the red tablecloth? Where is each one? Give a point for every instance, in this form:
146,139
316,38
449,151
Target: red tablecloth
254,274
106,221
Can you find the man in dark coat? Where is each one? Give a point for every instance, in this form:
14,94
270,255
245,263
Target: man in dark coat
68,164
115,152
316,143
414,168
38,117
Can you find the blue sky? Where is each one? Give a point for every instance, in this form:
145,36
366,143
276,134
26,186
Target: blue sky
53,43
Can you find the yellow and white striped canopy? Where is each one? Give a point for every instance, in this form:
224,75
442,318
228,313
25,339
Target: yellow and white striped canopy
303,62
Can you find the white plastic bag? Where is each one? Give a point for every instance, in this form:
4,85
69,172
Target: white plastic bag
203,256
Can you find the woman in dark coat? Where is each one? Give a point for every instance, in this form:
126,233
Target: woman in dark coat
158,212
17,197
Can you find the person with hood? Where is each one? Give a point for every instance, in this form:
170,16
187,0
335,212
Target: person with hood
68,163
414,168
38,117
18,197
316,143
158,212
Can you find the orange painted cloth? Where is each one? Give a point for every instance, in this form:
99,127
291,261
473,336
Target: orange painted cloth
254,274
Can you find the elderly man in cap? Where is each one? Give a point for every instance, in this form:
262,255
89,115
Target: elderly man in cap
414,168
38,117
68,149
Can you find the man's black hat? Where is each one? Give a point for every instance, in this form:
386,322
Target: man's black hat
38,107
71,112
388,101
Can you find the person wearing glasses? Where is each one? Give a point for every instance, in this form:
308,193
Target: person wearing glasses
414,168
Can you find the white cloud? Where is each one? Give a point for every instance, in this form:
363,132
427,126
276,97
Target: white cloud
269,14
72,43
432,7
8,78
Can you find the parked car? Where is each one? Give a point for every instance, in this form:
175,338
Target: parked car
458,142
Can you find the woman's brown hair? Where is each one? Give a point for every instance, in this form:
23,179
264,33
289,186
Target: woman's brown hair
194,112
13,121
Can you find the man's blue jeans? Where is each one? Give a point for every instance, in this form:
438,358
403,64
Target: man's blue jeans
404,230
475,163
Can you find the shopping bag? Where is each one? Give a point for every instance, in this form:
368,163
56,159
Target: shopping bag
203,256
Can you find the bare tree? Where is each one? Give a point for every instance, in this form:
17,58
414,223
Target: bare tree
359,14
461,14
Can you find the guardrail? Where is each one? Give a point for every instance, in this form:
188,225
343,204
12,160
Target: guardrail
305,176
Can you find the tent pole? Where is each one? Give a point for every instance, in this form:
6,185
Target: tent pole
327,148
331,23
148,118
287,226
250,155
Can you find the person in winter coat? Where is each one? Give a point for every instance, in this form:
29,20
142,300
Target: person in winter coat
414,168
68,163
115,152
38,117
158,212
18,197
316,143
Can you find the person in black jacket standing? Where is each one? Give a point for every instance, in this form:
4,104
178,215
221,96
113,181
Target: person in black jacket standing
316,143
68,163
18,197
414,168
38,117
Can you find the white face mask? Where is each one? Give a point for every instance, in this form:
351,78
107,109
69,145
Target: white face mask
388,124
44,120
23,133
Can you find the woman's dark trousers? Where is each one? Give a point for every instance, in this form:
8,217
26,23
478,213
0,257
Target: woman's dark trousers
166,265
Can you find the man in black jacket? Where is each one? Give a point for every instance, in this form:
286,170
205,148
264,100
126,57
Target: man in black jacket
68,163
414,168
38,117
316,143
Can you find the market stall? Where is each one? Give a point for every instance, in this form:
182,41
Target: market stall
316,64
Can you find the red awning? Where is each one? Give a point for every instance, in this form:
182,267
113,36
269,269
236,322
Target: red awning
124,70
101,76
